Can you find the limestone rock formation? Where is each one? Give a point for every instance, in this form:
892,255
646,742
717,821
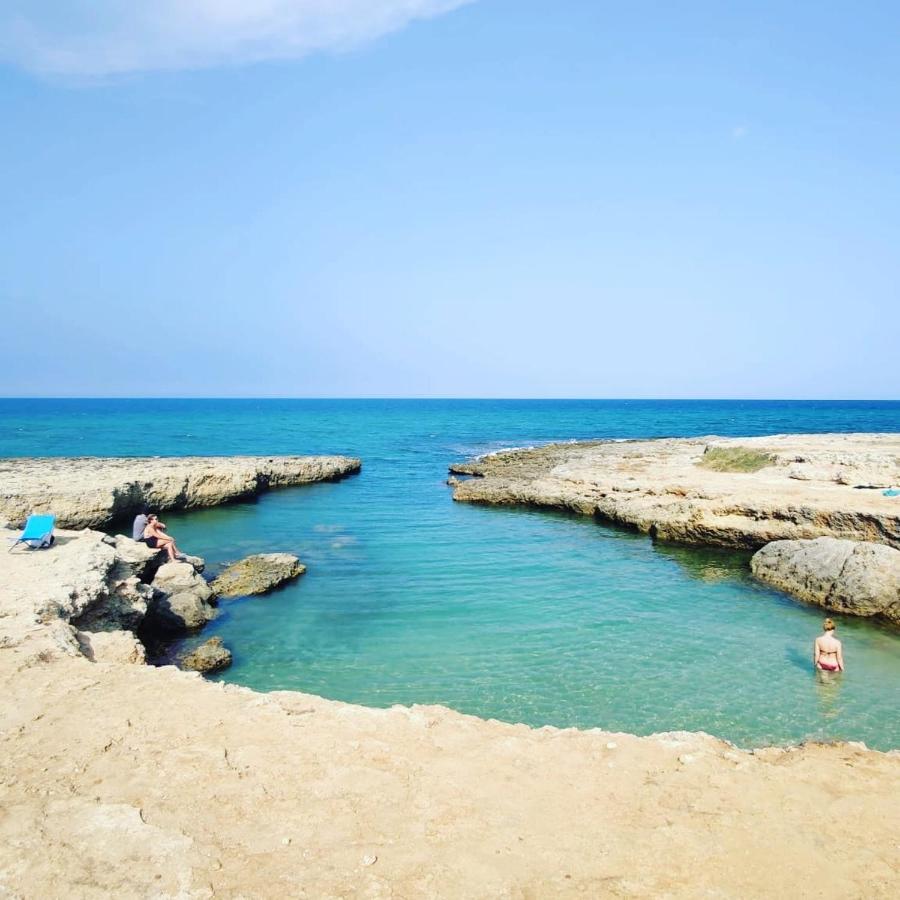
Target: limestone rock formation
257,574
816,486
210,656
860,579
90,492
143,560
87,582
181,599
112,647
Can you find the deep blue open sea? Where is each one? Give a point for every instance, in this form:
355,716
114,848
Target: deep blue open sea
521,615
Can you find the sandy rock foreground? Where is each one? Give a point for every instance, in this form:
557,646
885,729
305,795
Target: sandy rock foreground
126,781
122,780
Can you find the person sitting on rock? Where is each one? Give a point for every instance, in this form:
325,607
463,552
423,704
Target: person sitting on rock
828,656
155,536
140,523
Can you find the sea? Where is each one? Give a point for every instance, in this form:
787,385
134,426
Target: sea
514,614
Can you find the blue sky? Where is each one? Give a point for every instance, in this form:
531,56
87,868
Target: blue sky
426,198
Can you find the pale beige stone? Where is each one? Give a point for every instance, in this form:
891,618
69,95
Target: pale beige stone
91,491
857,578
112,647
659,488
257,574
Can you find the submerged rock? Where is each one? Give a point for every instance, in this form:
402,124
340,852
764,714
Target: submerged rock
210,656
854,577
257,574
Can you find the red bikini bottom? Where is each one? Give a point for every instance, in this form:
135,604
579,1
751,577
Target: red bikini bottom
828,667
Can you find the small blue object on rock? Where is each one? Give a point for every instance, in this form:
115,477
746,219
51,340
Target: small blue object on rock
38,533
892,492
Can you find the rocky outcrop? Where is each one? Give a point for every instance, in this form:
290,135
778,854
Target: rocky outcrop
813,488
182,600
91,592
89,584
90,492
257,574
860,579
210,656
112,647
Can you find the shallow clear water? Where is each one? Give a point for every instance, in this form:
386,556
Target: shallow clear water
511,613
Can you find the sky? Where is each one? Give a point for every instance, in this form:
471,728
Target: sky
493,198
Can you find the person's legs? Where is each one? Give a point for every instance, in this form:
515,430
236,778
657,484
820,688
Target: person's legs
164,542
177,553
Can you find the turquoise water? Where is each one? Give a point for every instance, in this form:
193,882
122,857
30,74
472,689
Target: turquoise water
516,614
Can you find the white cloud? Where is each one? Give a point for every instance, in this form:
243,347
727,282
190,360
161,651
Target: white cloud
739,132
109,37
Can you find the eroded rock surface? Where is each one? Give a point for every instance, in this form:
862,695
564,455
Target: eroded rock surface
107,772
210,656
257,574
87,582
861,579
112,647
182,599
89,492
811,489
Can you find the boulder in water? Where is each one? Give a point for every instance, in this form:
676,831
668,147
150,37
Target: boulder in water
210,656
257,574
859,578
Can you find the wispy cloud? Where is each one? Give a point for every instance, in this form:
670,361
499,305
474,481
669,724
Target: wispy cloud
109,37
739,132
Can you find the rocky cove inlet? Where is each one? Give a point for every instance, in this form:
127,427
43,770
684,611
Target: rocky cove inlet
119,779
522,615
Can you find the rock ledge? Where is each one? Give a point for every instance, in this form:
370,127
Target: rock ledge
90,492
817,486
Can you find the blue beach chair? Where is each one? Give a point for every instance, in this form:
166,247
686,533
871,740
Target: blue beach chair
38,533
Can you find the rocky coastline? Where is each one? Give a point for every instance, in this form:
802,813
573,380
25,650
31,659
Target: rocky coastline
128,780
93,492
804,488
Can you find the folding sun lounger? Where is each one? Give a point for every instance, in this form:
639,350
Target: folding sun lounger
38,533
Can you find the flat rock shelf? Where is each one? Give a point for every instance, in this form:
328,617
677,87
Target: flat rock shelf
91,492
802,486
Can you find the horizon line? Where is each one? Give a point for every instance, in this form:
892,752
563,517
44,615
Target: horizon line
448,397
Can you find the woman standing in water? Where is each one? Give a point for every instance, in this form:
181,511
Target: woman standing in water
827,653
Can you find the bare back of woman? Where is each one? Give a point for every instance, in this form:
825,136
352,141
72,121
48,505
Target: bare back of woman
827,651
